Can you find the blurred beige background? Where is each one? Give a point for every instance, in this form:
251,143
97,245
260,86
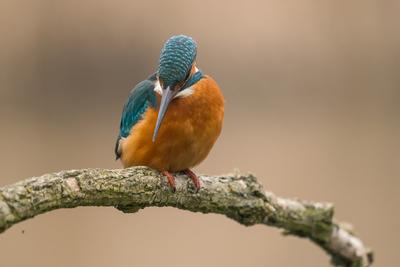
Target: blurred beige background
312,107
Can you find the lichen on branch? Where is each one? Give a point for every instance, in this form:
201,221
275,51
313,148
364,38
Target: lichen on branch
238,196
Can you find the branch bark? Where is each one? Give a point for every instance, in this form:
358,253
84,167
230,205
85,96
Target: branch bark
238,196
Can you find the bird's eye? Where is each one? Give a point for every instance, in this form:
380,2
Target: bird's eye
187,76
181,84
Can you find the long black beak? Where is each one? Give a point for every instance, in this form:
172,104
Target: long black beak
167,96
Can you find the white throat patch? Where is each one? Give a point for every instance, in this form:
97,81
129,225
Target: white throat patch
185,92
157,87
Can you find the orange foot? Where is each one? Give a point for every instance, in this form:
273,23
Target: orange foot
171,180
194,178
192,175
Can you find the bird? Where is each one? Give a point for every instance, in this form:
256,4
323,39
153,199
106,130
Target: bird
172,119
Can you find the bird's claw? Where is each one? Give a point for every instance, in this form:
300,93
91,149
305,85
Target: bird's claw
188,172
171,180
195,179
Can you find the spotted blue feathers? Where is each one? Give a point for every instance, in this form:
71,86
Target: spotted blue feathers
176,59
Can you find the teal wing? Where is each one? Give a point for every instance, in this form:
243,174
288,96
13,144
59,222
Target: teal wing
140,99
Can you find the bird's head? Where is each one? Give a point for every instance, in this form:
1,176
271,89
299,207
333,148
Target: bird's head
176,65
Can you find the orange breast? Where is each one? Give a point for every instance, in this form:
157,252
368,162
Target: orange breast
189,130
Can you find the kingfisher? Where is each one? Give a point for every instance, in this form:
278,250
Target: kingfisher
172,119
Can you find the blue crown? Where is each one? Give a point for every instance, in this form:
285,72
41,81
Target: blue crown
176,59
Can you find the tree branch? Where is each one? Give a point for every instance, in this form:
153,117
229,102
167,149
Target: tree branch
239,197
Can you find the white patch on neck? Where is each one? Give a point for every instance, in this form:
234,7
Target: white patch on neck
184,93
157,87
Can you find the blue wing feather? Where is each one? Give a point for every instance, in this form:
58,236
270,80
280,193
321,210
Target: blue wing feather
140,99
